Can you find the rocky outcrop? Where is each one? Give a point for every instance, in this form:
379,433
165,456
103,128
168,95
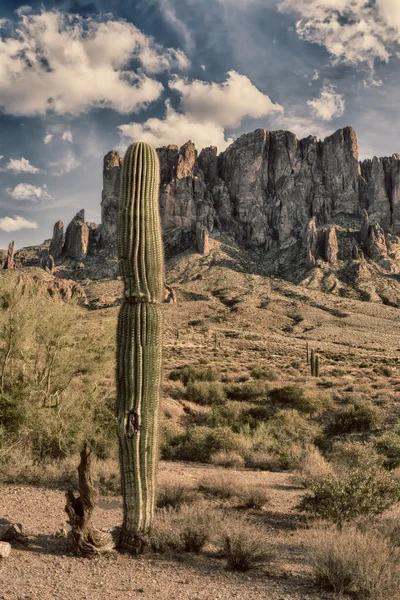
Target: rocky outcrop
311,241
57,241
9,261
331,245
202,239
77,237
110,197
376,243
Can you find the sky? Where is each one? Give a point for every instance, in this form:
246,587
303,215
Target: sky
81,77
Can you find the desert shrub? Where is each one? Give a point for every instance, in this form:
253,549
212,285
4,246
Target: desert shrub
312,467
228,460
199,444
263,372
248,391
293,396
356,493
253,496
354,455
260,460
206,392
356,416
186,530
289,426
108,481
219,485
388,445
226,415
174,495
245,544
383,370
361,564
188,373
253,416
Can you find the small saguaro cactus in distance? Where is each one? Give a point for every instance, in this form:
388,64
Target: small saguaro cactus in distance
316,366
308,353
139,340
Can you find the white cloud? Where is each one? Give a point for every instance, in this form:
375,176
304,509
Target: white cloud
299,124
21,166
353,31
1,156
175,128
28,192
223,103
16,223
67,135
47,138
66,164
206,110
330,104
68,64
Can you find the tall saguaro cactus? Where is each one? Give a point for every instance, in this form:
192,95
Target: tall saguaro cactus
139,340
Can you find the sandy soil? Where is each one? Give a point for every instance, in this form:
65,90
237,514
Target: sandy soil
47,570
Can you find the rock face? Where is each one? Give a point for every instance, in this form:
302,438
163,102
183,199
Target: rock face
57,241
9,261
110,197
202,239
266,189
77,237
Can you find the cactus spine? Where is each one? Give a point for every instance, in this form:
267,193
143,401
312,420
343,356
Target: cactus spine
139,340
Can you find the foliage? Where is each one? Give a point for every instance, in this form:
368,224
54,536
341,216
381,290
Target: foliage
206,392
356,416
356,493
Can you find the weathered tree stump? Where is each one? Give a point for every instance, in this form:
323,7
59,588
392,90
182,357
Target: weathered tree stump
85,538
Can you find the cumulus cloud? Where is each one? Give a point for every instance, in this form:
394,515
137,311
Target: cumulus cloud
16,223
29,193
67,136
47,138
328,105
175,128
206,109
300,124
66,164
21,166
223,103
353,32
67,64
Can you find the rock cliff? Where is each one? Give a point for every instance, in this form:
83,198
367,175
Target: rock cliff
266,188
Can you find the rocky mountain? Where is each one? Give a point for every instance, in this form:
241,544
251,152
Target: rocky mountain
297,204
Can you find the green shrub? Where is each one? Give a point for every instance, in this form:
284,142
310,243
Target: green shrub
253,416
354,455
189,373
263,372
248,391
388,445
383,370
289,426
226,415
293,396
206,392
218,485
199,444
356,416
356,493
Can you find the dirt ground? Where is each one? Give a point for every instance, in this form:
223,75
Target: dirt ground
46,569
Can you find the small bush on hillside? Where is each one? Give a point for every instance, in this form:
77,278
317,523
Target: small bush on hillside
383,370
245,544
219,485
253,496
228,460
263,372
289,426
293,396
199,444
356,416
253,416
388,445
248,391
225,415
174,495
206,392
356,493
189,373
354,455
363,565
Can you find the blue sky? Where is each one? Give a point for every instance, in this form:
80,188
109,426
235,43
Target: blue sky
79,78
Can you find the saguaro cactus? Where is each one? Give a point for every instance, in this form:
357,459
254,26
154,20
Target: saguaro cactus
139,340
